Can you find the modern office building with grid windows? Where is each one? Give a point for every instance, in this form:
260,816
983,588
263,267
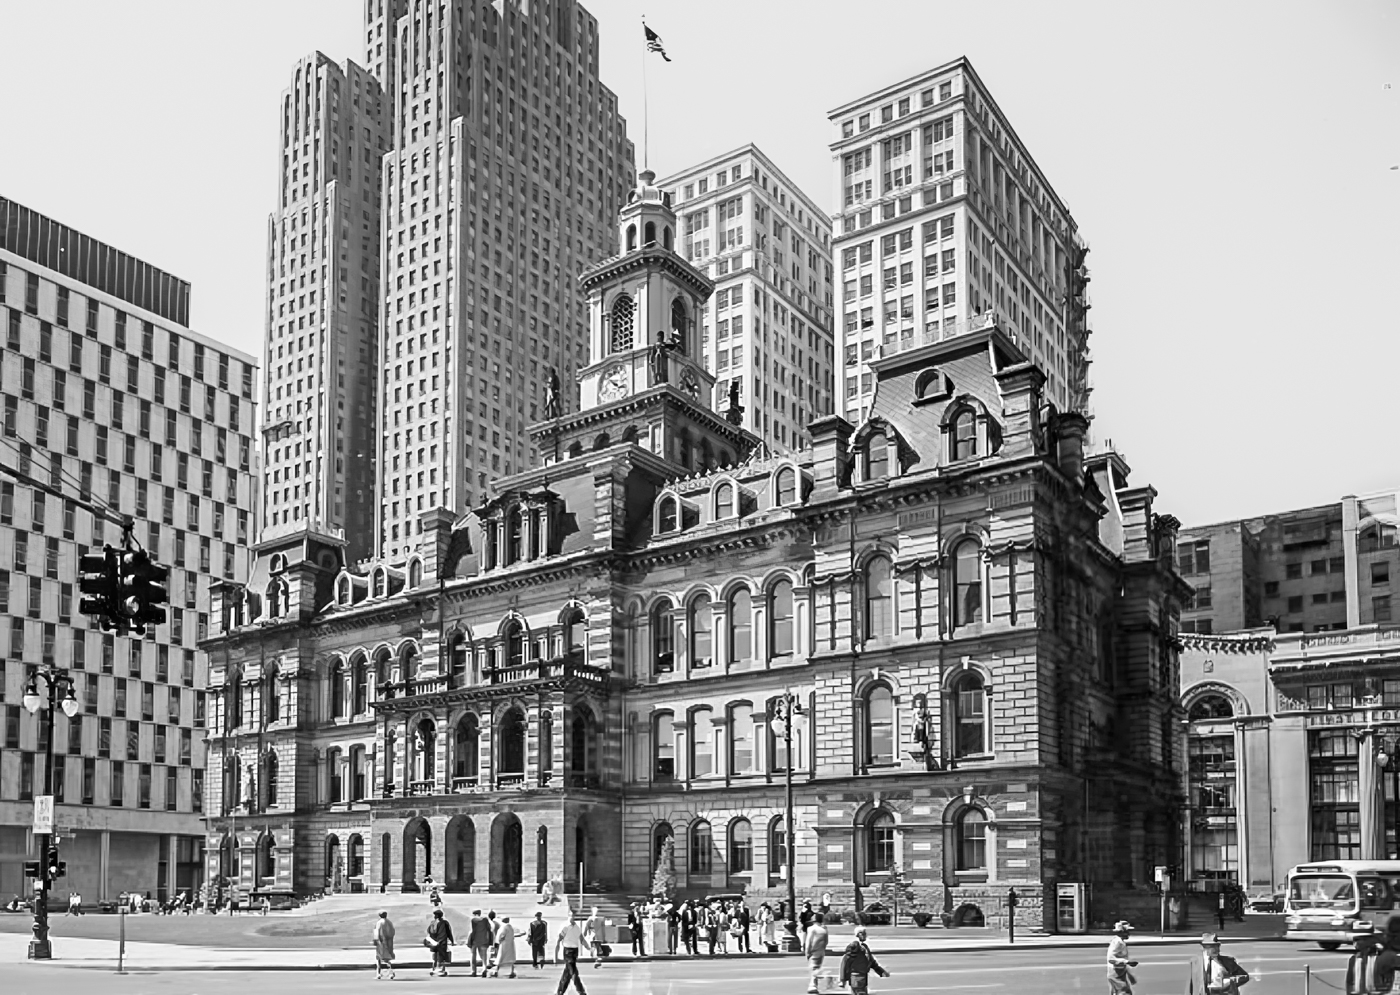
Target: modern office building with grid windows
110,397
944,221
769,324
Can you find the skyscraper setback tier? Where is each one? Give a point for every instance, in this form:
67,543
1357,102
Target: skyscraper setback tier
322,300
944,222
508,163
108,396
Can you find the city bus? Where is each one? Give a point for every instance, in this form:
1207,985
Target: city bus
1335,901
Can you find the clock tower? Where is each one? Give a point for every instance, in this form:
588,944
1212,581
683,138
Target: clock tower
646,381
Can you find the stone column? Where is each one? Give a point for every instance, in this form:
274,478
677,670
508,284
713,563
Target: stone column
1372,805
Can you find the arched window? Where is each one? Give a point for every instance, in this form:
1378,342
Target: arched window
272,698
878,616
1211,706
336,678
701,847
667,516
408,663
513,742
701,631
583,743
415,573
702,743
267,857
493,543
355,862
620,324
972,840
650,233
466,743
458,655
663,644
967,583
777,846
964,435
879,843
274,600
379,583
359,774
740,625
233,783
660,833
780,619
342,592
663,737
359,682
969,716
666,237
514,643
876,456
740,847
575,634
678,321
786,486
381,667
270,780
631,237
724,501
741,739
879,725
515,536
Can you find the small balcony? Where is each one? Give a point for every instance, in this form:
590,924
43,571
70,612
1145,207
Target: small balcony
418,789
465,785
508,781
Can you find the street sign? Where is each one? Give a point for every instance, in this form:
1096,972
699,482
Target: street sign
43,814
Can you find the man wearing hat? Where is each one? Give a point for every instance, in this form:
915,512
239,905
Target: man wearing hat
1215,973
1120,979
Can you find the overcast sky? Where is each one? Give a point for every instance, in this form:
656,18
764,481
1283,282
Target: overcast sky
1230,165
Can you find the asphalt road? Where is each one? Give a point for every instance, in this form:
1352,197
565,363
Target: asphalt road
1277,969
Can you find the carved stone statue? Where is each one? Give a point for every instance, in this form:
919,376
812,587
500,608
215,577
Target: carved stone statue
250,790
660,360
735,412
551,394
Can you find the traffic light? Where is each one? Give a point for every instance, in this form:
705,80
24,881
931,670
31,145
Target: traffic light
57,868
98,578
141,593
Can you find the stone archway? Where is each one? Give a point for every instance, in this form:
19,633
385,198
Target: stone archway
333,865
459,842
417,852
507,857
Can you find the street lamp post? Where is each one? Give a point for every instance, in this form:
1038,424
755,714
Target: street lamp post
783,709
1388,761
55,683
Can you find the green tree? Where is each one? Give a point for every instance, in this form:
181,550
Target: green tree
663,882
896,892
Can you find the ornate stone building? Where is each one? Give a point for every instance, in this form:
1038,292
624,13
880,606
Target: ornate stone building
978,620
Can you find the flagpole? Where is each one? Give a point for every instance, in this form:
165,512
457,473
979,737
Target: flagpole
645,135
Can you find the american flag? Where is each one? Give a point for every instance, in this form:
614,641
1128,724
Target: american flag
654,43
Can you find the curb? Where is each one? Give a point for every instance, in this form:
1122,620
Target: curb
367,964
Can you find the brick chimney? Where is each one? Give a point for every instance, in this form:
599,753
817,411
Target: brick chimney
437,537
1020,386
1070,429
831,440
1136,504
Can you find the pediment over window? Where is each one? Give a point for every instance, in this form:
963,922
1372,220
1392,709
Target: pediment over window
881,449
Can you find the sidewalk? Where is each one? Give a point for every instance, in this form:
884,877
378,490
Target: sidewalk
74,952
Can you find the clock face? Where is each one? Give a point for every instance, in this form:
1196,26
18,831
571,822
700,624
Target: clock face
613,384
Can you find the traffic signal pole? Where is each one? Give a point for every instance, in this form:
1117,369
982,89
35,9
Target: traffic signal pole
49,869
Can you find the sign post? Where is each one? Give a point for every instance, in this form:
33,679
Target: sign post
1165,882
43,814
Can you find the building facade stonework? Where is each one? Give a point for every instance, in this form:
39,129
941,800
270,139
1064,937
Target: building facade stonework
978,621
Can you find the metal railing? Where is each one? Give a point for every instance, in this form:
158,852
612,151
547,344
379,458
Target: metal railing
463,785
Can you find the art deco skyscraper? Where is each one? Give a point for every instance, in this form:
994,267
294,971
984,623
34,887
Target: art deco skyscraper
508,164
323,288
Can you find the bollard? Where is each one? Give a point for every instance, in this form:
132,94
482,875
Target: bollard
1307,979
121,939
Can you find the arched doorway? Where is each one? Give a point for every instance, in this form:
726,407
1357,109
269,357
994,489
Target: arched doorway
511,765
460,843
507,839
417,853
333,864
266,861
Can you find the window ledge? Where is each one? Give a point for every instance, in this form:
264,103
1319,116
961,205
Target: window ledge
971,877
891,765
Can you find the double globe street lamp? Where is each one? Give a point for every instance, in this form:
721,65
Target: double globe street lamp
58,693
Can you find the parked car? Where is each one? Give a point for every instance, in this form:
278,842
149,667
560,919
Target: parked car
1266,903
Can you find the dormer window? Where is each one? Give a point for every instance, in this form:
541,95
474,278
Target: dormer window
668,515
786,487
724,501
380,583
515,536
964,435
415,573
877,457
342,592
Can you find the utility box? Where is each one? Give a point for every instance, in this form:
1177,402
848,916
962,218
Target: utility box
1071,907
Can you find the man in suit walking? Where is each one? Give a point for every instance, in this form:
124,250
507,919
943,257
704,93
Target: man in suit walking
857,963
1215,973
